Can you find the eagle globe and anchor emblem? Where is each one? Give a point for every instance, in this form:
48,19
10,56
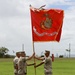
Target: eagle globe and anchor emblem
47,23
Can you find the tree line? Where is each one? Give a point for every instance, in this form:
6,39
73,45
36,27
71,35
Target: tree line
4,52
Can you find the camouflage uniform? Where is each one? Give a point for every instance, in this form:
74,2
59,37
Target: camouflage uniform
15,61
47,66
22,66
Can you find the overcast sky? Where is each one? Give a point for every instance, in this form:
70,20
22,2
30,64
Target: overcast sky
15,26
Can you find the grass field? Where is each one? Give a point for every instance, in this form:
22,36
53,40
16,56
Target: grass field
61,66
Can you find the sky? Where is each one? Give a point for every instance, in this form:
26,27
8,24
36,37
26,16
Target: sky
15,27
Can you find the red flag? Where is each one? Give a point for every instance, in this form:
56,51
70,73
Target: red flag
46,24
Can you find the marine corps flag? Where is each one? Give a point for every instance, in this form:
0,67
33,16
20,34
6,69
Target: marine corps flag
46,24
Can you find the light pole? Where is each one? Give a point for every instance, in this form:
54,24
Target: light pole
69,50
22,47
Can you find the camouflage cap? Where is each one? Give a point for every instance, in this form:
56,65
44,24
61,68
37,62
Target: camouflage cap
47,51
17,52
22,51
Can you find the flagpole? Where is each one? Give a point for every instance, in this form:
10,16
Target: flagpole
34,58
33,47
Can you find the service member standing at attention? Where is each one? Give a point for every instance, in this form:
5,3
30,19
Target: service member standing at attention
15,62
47,61
22,64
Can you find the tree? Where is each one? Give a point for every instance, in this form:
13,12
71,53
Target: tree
3,51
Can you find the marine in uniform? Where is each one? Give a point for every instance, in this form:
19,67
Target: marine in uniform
47,61
15,63
22,64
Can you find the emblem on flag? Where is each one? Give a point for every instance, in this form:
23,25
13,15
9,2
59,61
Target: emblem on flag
47,23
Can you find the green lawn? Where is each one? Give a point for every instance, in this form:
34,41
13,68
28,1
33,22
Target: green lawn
64,66
61,66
